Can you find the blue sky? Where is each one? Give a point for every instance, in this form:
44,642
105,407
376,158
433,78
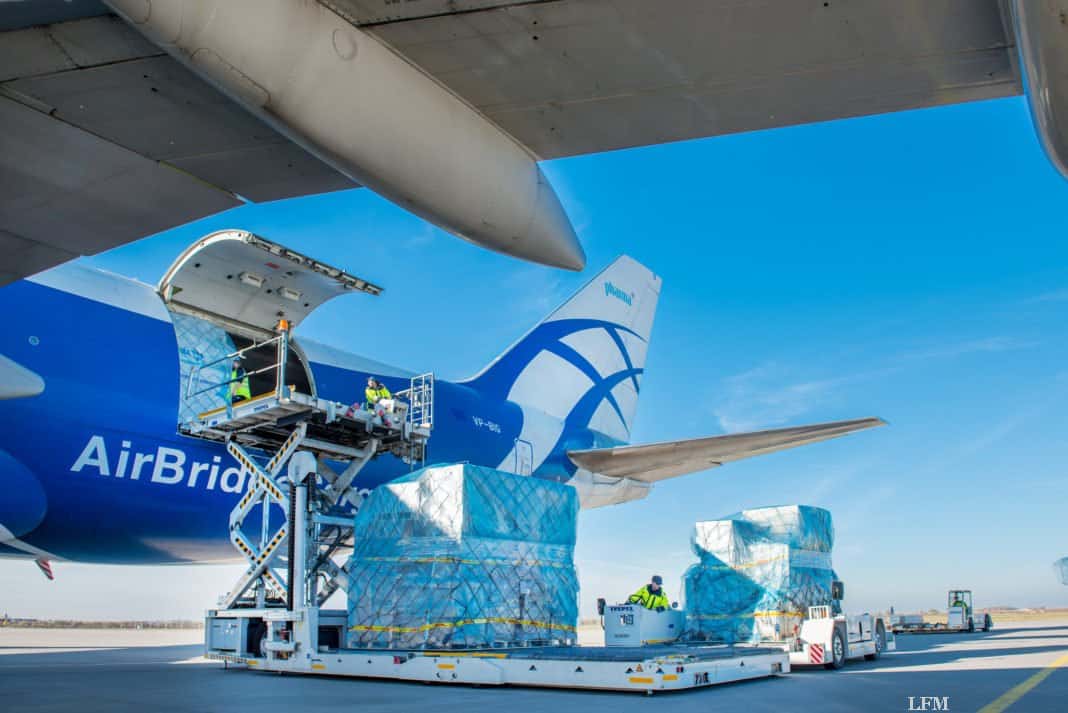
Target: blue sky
910,266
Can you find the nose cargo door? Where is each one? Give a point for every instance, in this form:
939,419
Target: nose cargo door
227,294
243,282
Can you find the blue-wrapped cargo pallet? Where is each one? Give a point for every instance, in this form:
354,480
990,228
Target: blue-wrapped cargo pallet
758,573
461,556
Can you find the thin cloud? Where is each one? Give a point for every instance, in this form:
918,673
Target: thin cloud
974,346
1060,295
759,398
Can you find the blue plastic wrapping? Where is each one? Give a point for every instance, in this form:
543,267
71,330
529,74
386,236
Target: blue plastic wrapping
758,573
461,556
200,342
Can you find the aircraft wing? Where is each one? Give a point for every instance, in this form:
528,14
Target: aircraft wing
112,129
580,76
659,461
105,139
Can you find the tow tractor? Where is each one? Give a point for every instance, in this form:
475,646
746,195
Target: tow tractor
960,617
825,636
303,455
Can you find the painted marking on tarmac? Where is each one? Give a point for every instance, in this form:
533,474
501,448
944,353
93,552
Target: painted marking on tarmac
1022,689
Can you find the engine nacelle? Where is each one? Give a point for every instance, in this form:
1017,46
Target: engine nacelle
1042,41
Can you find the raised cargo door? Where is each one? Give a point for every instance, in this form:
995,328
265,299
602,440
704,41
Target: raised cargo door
245,283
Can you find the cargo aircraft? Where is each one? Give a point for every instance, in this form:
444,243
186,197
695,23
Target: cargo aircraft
95,385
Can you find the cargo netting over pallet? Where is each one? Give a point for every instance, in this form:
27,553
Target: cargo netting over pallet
758,573
461,556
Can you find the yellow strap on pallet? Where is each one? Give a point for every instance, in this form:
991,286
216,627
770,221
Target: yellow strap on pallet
748,615
462,560
459,623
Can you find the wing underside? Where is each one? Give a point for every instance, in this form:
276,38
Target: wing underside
659,461
105,138
580,76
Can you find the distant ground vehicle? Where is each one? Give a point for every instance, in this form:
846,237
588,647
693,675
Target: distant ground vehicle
960,617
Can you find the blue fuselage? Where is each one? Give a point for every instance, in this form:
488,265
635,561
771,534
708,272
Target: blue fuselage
93,468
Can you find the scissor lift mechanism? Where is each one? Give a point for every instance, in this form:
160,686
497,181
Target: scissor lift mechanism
302,432
272,619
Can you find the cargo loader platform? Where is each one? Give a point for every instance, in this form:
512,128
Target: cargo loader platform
642,669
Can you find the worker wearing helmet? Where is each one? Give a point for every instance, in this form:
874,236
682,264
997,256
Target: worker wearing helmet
651,596
239,388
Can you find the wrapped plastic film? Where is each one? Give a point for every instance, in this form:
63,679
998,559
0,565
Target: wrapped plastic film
461,556
759,571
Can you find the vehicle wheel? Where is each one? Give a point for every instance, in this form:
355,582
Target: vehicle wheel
971,625
257,638
880,641
988,623
838,650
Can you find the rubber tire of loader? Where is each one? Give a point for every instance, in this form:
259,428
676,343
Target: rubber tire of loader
257,637
880,641
988,623
838,650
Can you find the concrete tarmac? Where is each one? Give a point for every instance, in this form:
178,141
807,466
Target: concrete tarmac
1015,667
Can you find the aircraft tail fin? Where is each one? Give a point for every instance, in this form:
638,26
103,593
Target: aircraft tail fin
583,364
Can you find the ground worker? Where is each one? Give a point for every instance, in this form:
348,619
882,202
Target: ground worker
239,389
651,596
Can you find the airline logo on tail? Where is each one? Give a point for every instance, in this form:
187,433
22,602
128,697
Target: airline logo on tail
576,375
612,291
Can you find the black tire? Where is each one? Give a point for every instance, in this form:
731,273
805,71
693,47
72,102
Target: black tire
257,637
838,650
988,623
971,625
880,641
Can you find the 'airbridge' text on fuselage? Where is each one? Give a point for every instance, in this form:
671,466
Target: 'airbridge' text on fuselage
165,465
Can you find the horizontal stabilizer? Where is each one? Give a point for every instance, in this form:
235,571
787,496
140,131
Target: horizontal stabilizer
659,461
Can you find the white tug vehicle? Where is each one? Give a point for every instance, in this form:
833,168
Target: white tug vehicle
825,637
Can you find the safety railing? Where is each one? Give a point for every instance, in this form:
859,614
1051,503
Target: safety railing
420,398
195,388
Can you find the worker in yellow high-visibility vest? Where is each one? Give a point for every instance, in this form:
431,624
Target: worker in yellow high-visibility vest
239,388
379,400
651,596
375,392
